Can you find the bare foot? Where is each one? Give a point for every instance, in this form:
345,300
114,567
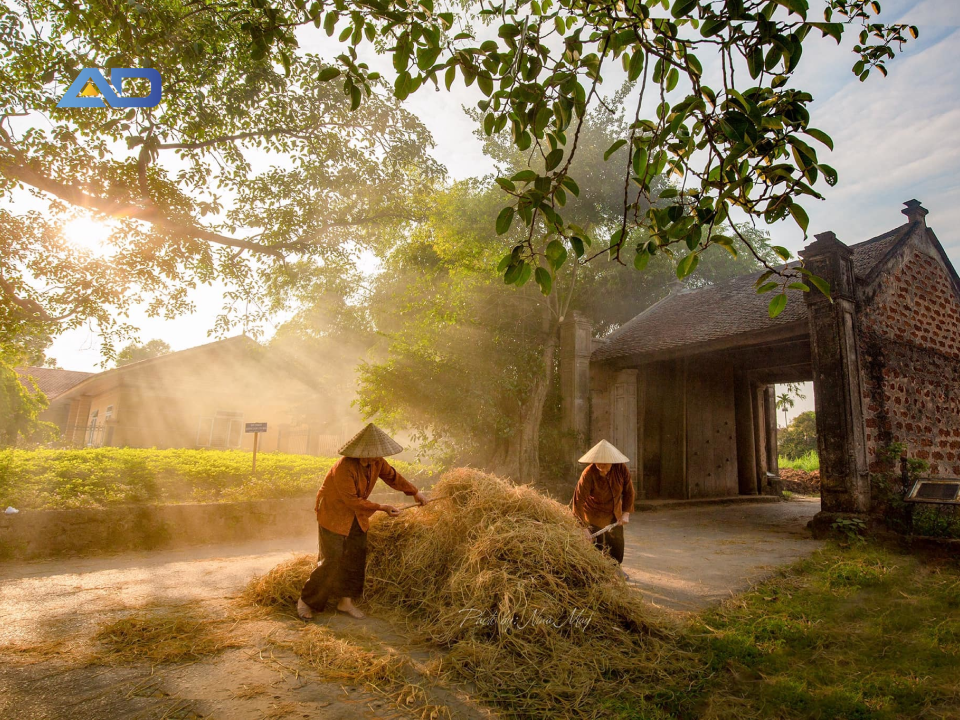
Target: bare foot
346,605
303,610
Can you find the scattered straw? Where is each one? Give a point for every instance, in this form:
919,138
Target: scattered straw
280,588
31,653
339,660
163,636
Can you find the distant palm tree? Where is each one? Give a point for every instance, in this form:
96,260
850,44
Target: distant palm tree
785,402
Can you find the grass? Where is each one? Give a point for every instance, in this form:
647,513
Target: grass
855,633
807,463
102,477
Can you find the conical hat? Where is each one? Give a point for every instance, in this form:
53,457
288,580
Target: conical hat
370,442
604,452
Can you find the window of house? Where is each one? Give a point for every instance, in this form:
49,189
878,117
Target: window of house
108,426
93,428
223,430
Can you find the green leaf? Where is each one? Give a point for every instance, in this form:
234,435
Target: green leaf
767,287
556,253
613,148
777,304
485,83
641,259
524,176
673,77
553,159
504,220
449,76
687,265
426,57
800,215
544,280
820,284
821,136
682,8
799,286
781,251
525,272
506,184
712,27
505,263
570,184
577,245
636,66
328,73
640,162
800,7
726,243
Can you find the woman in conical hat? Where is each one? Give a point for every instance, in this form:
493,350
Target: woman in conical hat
343,514
604,496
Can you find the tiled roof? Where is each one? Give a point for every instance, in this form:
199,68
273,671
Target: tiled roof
51,381
723,310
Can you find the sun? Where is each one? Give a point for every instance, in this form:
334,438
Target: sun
87,233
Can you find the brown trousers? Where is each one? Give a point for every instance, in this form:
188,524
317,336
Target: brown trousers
611,542
343,561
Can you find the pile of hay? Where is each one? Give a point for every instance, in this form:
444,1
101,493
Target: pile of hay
530,612
527,610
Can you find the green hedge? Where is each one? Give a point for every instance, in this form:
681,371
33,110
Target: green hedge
122,476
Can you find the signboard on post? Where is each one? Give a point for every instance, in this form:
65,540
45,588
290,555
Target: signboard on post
256,428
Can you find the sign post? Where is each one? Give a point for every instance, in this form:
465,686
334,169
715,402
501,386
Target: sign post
256,429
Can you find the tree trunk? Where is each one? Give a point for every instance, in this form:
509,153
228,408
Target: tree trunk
520,458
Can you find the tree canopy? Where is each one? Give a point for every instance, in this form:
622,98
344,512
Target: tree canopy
468,362
135,353
251,171
345,161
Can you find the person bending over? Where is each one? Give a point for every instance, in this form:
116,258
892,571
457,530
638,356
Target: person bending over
604,495
343,515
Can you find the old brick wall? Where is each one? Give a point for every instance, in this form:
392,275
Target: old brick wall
910,354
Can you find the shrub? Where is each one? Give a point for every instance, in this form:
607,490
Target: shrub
800,436
99,477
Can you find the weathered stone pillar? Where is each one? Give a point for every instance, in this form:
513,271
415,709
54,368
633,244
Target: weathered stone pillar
844,481
576,341
759,435
770,412
770,483
624,407
746,458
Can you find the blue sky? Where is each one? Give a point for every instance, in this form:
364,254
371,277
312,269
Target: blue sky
896,139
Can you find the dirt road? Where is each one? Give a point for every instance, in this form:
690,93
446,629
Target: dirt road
679,559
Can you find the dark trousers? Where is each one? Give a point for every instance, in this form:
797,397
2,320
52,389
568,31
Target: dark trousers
611,542
343,561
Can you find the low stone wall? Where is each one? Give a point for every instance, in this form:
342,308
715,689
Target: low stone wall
34,534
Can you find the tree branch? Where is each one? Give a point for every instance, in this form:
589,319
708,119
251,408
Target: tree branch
79,198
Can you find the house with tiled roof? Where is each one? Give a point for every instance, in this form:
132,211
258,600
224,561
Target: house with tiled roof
686,388
201,397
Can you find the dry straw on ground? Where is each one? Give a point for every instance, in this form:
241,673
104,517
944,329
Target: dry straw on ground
163,636
526,609
281,587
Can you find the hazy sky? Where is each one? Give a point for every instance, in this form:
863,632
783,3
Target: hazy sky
896,138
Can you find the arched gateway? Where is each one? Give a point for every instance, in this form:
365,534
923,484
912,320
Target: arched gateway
685,388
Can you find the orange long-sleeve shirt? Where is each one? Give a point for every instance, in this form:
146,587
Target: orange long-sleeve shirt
344,492
600,500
